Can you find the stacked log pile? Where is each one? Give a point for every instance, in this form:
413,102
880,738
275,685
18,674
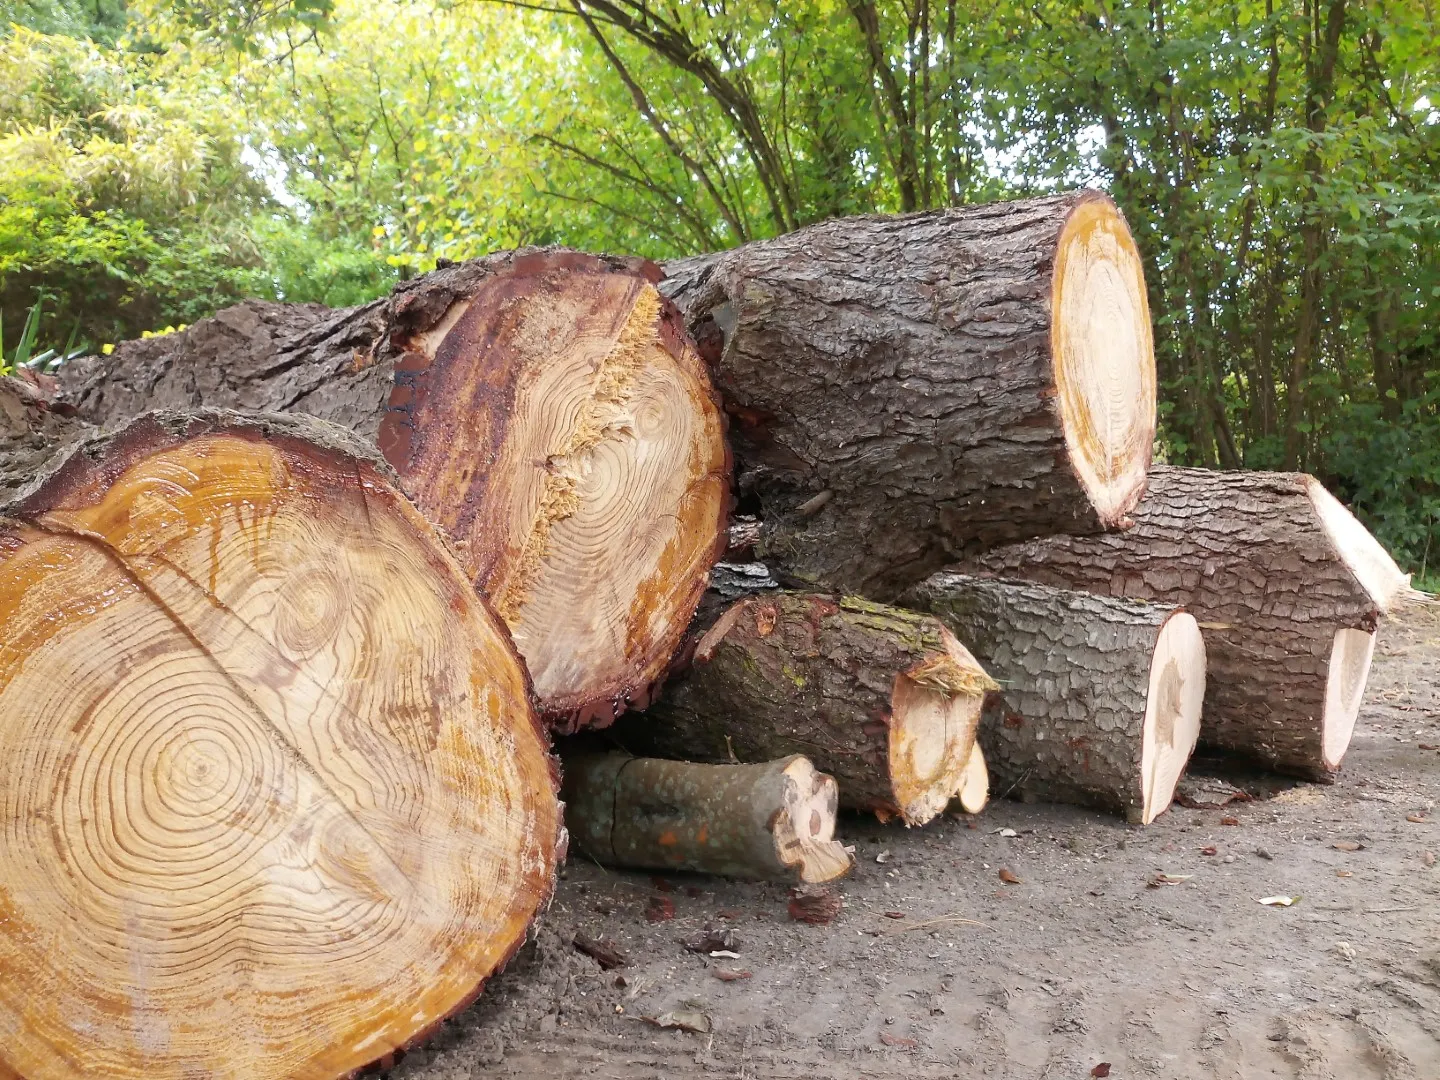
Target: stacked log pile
1286,583
285,680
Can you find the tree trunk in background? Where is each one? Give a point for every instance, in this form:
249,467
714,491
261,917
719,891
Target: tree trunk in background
1100,698
1287,586
883,699
244,689
903,389
546,408
774,820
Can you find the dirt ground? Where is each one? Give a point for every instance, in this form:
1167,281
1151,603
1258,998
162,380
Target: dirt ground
1079,963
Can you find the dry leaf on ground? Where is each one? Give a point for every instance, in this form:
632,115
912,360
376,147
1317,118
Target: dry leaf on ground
898,1040
696,1022
1168,879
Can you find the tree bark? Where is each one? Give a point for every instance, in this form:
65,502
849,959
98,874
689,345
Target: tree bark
883,699
272,764
33,433
774,820
546,408
904,389
1287,586
1100,703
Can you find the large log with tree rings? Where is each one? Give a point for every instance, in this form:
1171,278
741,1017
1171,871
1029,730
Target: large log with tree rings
1100,698
1288,587
885,700
545,408
276,800
904,389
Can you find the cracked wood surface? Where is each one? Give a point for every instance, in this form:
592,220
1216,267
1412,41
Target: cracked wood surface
544,407
277,800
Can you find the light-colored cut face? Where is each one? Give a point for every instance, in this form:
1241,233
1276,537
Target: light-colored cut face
1172,711
1349,671
975,784
274,802
1362,553
805,829
934,714
1104,357
571,446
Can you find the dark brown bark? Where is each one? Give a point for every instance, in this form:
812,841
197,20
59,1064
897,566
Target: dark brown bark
1249,556
774,820
1075,670
546,408
881,698
893,391
32,434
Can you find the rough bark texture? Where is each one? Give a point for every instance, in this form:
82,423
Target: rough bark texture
1075,673
546,408
32,434
1247,555
881,698
272,765
774,820
891,388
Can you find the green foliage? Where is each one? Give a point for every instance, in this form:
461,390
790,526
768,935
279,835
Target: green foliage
1278,160
97,20
123,198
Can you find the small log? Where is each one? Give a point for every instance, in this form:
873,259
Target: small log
774,820
1288,587
276,801
883,699
545,408
904,389
1101,698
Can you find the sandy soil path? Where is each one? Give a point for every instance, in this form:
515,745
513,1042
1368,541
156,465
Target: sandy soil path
1080,963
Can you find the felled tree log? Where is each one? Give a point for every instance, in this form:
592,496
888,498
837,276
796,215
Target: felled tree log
774,820
1287,586
275,798
904,389
545,408
1101,697
883,699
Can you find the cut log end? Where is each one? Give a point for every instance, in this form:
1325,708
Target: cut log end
804,829
591,506
1104,357
1172,711
1349,671
271,764
975,784
934,715
1358,549
770,820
